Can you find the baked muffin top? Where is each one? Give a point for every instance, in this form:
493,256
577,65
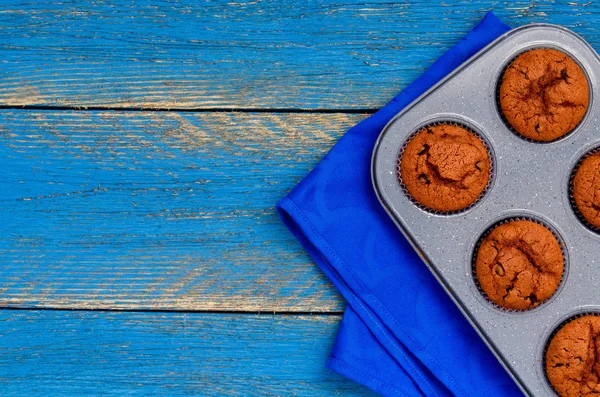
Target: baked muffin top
586,189
573,358
519,264
544,94
445,167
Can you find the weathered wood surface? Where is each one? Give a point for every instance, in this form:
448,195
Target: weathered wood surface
174,210
52,353
158,210
238,54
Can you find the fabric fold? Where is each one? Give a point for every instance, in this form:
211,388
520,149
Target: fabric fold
401,334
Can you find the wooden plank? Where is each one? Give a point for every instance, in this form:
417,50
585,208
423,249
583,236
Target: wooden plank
279,54
158,210
92,354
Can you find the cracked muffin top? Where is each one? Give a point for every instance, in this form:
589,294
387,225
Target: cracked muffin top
544,94
519,264
445,167
586,189
573,358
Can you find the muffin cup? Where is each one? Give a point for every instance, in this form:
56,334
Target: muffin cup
578,213
434,124
499,83
546,343
504,221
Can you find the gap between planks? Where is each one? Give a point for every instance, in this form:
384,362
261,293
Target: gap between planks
232,312
192,110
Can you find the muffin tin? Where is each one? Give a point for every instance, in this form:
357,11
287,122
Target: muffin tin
530,180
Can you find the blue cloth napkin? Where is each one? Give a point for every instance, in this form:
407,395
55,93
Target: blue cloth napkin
401,335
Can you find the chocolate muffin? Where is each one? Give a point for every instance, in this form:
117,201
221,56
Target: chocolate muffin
519,264
544,94
586,189
573,358
445,167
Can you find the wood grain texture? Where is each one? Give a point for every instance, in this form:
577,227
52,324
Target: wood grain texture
158,210
93,354
238,54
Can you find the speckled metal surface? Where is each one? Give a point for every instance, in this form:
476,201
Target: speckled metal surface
530,180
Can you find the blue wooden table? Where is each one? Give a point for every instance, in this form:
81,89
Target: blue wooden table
143,146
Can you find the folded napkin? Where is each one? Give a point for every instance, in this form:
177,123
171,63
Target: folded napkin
401,335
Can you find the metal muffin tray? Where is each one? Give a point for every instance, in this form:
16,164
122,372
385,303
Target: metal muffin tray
530,180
